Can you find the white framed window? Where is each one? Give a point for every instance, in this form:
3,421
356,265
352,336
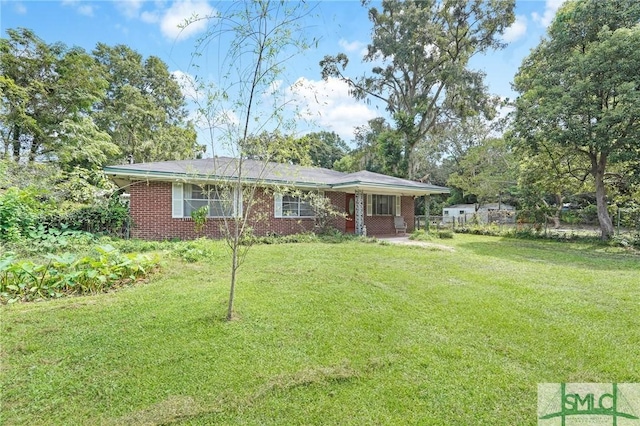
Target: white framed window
287,205
383,205
222,202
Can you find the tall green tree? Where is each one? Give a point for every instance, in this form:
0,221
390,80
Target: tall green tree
547,176
144,110
378,149
325,148
274,146
580,89
486,171
425,47
47,94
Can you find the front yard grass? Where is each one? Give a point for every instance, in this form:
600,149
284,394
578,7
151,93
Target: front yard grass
349,334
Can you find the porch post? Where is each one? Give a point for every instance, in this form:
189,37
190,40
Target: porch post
359,212
427,212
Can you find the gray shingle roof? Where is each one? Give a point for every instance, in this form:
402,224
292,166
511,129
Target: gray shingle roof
219,168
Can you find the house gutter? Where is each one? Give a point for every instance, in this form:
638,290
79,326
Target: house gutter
115,172
163,176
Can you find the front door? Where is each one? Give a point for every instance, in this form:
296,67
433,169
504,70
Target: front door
350,204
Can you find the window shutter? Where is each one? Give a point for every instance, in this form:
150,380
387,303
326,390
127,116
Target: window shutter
237,195
277,205
369,205
177,198
398,205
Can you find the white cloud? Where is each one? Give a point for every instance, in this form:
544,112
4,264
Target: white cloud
353,46
81,8
188,85
86,10
179,12
329,105
516,30
550,9
273,88
129,8
150,17
19,8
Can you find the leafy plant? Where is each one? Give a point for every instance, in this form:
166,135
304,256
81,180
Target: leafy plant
18,212
199,217
445,233
69,273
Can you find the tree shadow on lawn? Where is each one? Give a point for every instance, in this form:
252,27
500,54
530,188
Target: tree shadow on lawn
576,255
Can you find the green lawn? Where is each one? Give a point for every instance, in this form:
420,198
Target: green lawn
348,333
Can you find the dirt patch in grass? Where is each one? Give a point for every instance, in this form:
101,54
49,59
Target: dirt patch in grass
425,244
172,409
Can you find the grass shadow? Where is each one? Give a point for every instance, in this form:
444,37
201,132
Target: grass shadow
576,255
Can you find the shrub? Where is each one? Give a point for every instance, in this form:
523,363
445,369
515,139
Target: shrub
19,210
69,273
445,233
420,235
111,218
196,250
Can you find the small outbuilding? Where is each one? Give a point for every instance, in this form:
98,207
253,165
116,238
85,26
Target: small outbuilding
485,213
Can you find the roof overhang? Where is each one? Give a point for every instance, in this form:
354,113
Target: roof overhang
390,189
124,177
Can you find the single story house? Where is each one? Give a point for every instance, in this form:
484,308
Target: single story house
486,213
164,194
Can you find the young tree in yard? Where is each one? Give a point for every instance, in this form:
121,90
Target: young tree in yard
580,89
259,38
424,48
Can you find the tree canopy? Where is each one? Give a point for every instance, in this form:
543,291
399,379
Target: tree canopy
65,105
425,48
580,89
47,94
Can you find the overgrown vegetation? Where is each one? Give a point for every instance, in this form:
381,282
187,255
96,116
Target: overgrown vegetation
68,273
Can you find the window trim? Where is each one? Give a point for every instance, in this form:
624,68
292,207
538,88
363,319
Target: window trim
278,208
179,193
395,203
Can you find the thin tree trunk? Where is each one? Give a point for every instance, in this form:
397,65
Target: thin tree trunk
557,212
598,169
232,288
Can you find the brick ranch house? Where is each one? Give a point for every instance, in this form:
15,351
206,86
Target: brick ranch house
163,195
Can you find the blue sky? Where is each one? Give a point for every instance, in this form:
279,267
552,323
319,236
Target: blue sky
151,28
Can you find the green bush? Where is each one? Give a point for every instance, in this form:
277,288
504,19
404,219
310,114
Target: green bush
445,233
19,209
107,219
69,273
196,250
420,235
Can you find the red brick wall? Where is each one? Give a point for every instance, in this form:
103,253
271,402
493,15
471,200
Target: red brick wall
384,225
151,213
